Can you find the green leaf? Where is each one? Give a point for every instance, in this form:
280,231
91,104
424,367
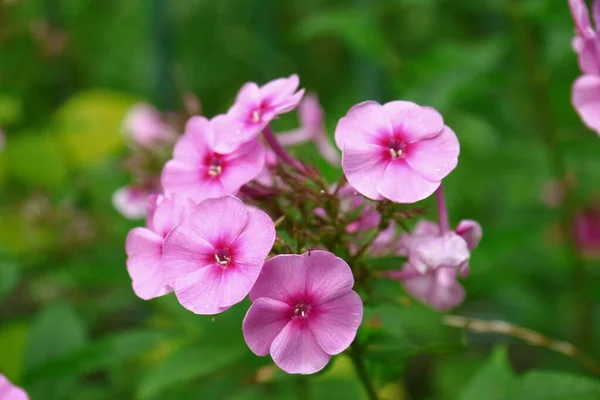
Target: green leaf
9,276
13,339
56,331
550,385
493,381
110,350
185,365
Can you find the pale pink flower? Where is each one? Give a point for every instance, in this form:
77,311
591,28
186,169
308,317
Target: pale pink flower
386,241
586,89
214,257
304,311
255,107
198,171
266,177
350,200
399,151
312,127
144,246
8,391
131,201
145,126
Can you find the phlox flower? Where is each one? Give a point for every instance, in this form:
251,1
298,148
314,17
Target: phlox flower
312,127
256,106
304,311
198,171
400,150
8,391
131,201
145,126
214,257
586,89
144,246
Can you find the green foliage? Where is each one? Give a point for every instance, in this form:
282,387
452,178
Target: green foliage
493,381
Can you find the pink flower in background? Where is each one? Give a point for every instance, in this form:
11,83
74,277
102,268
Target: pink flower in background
198,171
144,124
586,228
386,242
255,107
2,140
586,89
131,201
399,151
214,257
304,311
435,260
8,391
312,127
350,199
266,177
144,246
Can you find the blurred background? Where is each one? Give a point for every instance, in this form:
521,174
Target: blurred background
500,72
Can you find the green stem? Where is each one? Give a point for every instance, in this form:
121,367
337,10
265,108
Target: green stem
359,365
583,307
303,387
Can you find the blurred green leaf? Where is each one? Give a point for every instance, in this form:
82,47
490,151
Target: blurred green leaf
11,109
187,364
550,385
56,331
493,381
13,339
9,276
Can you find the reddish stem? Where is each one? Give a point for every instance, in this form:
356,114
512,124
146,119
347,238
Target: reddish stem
442,210
280,151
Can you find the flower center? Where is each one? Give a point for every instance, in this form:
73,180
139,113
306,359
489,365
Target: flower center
256,116
301,310
396,149
214,167
223,257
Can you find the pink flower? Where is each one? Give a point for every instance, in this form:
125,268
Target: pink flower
587,231
198,171
214,257
350,200
312,127
144,246
586,89
386,242
144,124
8,391
131,201
255,107
399,151
304,311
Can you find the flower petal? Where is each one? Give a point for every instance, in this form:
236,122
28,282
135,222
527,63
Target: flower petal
412,121
255,241
190,181
144,254
219,221
264,320
586,100
169,212
470,231
364,126
364,169
199,291
243,165
184,253
402,184
8,391
279,89
434,158
192,147
327,276
296,351
335,323
282,278
581,17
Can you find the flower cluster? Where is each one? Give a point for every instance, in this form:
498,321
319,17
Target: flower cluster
586,89
210,227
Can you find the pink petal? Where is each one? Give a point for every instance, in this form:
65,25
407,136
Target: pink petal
434,158
184,253
586,100
8,391
311,113
296,351
289,103
264,320
327,276
364,127
131,202
144,254
294,137
169,212
444,297
596,14
413,122
434,252
191,181
470,231
425,227
255,241
199,291
243,165
219,221
327,150
581,17
279,89
248,97
364,169
193,146
282,278
402,184
588,54
230,132
335,323
143,123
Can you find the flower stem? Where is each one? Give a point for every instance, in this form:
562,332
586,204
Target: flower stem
280,151
442,210
359,365
583,322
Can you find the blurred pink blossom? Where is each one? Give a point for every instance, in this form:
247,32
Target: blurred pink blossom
312,127
586,226
586,89
399,151
214,257
131,201
144,124
304,311
8,391
198,171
